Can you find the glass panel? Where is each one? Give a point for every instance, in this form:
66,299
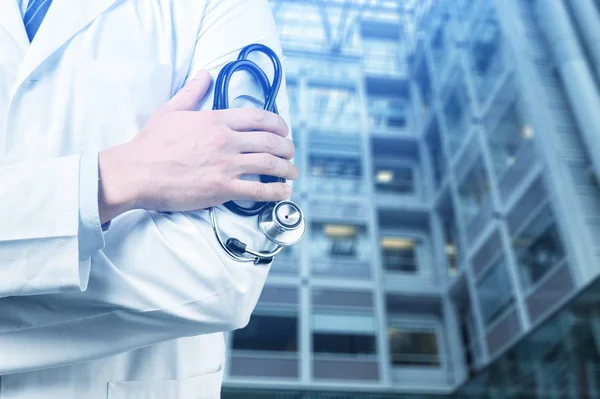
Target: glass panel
335,175
538,247
508,132
413,348
343,333
451,248
439,47
436,154
387,113
395,180
469,338
352,344
424,85
486,56
339,241
473,191
342,323
401,254
382,57
268,333
495,292
457,113
337,107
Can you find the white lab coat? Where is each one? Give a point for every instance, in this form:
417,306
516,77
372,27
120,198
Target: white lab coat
143,317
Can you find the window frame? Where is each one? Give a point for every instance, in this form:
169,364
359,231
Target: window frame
485,272
423,257
419,324
346,313
527,287
270,312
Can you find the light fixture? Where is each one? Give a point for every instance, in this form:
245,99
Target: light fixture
339,231
385,176
527,132
511,159
397,243
450,249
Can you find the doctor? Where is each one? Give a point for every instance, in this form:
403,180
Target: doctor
112,284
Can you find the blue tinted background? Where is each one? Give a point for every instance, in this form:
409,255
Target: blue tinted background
449,162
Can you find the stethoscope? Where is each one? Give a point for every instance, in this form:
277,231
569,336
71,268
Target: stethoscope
281,222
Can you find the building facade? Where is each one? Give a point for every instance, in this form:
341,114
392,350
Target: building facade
449,156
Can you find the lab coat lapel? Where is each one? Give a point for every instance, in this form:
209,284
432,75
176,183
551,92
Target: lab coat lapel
12,22
64,20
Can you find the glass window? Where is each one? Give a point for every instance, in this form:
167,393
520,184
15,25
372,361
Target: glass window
401,254
413,347
473,191
495,292
387,113
451,246
396,180
538,247
268,333
438,46
457,114
339,241
337,107
486,55
344,334
335,175
436,154
382,56
508,133
469,338
424,85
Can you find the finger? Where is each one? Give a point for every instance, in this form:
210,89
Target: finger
266,164
243,190
188,97
252,119
264,142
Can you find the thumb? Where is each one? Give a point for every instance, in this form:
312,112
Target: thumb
188,97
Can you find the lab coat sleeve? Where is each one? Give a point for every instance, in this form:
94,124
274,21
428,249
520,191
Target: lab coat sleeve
41,250
91,235
160,276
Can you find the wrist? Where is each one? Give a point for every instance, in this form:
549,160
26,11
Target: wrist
117,185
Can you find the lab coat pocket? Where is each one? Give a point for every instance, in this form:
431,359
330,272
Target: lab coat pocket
206,386
114,99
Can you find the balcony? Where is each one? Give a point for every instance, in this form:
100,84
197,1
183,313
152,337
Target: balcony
344,346
340,250
389,115
333,108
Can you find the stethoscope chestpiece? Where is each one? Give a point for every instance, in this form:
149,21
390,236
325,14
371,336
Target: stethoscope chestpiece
283,223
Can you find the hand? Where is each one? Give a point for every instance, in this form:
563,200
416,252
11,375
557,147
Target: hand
187,160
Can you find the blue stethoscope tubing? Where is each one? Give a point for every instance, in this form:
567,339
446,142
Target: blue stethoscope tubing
282,222
270,91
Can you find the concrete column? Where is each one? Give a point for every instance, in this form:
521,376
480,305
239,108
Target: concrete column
587,17
575,73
